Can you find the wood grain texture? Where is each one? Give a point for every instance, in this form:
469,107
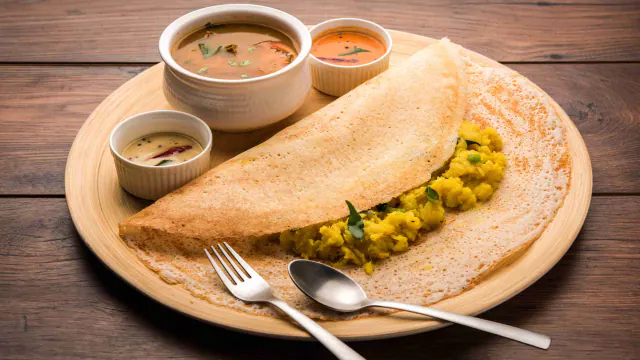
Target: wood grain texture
52,102
58,301
127,30
41,110
603,102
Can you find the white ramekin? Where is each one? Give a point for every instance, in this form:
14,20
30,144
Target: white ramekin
153,182
243,104
338,80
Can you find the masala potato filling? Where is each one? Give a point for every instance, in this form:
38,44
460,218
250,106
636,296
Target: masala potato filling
469,178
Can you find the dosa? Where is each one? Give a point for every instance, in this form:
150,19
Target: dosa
381,139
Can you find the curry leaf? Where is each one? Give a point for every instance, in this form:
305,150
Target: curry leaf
432,194
209,25
354,51
204,50
163,162
471,142
355,223
207,52
382,207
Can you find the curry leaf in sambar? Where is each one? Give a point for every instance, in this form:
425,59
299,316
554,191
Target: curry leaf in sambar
207,52
355,223
210,26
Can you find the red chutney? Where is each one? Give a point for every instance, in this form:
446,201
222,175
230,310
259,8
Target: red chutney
347,48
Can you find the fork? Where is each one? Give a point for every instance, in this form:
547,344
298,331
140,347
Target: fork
245,284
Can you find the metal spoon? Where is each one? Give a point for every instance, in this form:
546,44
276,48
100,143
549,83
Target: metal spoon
337,291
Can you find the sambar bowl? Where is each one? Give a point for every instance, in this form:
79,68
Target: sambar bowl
242,104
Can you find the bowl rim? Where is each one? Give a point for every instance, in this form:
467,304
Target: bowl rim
164,45
381,30
205,149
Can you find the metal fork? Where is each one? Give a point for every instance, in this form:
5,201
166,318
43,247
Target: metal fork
245,284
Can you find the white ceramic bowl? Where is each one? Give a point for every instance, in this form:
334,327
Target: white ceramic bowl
153,182
338,80
243,104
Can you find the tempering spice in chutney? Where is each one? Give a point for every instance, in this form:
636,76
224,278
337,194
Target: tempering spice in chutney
162,149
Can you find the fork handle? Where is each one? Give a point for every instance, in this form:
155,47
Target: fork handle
524,336
332,343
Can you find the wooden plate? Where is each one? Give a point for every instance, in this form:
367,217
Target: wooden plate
97,204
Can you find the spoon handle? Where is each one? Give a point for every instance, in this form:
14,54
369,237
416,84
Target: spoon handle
514,333
332,343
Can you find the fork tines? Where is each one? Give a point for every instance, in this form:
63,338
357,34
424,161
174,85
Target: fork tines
239,273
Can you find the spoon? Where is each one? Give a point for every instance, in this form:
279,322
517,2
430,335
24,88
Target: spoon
337,291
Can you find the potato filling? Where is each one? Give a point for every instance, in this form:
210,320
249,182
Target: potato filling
469,178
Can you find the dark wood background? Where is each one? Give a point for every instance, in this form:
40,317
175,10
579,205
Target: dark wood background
60,59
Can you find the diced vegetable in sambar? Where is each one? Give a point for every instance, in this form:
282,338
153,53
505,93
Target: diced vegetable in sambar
234,51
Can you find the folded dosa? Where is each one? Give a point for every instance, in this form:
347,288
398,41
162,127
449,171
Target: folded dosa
378,141
364,147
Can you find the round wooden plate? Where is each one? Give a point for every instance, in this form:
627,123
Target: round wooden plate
97,204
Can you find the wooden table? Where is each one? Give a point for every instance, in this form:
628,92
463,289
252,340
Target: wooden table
58,60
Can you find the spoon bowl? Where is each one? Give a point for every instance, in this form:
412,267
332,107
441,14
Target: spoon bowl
333,289
327,286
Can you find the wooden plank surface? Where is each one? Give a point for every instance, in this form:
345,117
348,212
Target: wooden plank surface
41,110
50,103
127,30
58,301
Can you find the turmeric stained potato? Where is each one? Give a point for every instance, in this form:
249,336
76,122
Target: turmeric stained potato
469,178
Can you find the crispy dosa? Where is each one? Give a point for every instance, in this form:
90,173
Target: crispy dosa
378,141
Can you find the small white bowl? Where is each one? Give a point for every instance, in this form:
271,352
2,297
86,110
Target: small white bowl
153,182
243,104
338,80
